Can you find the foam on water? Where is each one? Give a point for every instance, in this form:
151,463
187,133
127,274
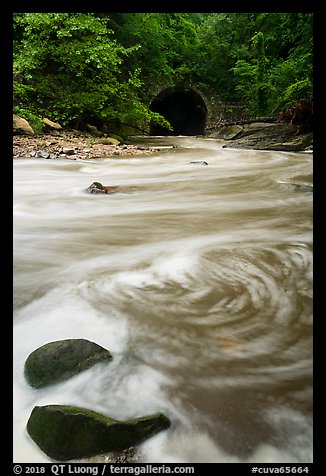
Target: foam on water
190,445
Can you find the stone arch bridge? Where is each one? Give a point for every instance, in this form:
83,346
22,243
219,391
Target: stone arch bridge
190,111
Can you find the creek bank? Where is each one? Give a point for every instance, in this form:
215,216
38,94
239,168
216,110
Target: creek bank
73,146
65,432
265,136
59,360
57,142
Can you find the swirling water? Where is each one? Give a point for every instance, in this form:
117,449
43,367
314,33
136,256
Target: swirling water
199,281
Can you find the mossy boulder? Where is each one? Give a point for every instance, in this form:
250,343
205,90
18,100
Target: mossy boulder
108,141
227,132
67,432
57,361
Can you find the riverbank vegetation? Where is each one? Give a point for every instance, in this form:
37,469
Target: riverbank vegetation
104,68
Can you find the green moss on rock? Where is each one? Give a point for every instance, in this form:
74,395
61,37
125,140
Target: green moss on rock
57,361
108,141
226,132
66,432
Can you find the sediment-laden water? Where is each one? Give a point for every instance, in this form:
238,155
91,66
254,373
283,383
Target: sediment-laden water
198,280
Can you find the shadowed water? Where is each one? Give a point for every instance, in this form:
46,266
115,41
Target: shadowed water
199,281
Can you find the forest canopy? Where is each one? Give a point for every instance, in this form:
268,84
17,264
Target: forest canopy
103,68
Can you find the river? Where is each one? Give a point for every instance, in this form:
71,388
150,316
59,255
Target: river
198,280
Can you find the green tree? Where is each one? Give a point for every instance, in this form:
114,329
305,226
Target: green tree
69,67
166,44
95,67
262,85
278,70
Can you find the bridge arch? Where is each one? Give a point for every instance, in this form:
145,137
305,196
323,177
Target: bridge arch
184,108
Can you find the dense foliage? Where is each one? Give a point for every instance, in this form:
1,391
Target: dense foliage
104,68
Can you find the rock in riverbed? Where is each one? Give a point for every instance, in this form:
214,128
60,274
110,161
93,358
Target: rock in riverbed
200,162
97,187
67,432
265,136
59,360
21,126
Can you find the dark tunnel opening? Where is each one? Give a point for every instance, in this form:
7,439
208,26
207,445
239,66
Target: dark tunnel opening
184,109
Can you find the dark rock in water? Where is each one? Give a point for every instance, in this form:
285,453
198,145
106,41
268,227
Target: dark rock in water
59,360
66,432
297,186
97,187
304,187
202,162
